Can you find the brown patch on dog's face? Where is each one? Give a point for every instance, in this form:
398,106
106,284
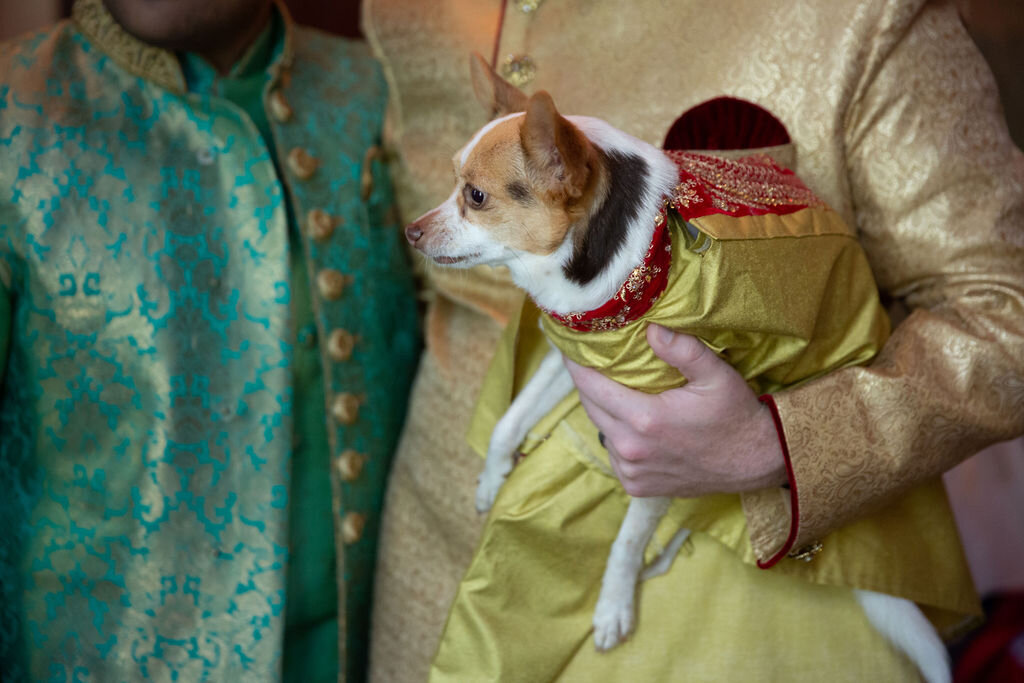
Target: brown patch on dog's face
518,207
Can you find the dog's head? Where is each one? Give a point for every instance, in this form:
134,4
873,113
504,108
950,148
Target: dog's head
521,182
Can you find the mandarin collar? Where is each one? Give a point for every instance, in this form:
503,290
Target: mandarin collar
156,64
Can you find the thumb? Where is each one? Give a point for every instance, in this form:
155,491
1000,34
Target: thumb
698,364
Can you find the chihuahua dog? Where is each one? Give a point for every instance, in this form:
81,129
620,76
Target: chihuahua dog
570,205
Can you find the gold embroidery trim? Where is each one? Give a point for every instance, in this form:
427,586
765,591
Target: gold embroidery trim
753,182
805,553
631,291
152,63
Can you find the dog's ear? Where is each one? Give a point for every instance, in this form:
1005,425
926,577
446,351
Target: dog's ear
496,94
558,155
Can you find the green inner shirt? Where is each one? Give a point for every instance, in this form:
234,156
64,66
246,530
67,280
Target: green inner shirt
311,624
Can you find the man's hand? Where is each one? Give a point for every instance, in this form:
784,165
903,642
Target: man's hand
711,435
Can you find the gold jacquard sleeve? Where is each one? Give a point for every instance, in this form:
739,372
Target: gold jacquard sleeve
938,188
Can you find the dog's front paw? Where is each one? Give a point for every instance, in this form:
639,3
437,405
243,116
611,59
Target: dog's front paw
613,622
487,487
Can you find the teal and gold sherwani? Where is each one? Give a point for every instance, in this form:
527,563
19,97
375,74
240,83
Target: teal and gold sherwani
207,332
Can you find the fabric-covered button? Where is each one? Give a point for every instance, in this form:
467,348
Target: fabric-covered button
352,527
331,283
279,107
302,163
518,70
319,224
366,177
350,465
340,345
528,6
345,408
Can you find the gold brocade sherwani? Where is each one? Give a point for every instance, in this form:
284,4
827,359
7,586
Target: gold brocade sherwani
931,182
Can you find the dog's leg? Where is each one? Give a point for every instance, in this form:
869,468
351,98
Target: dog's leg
614,615
901,623
549,385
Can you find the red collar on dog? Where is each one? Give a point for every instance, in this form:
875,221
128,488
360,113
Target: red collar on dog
637,294
750,186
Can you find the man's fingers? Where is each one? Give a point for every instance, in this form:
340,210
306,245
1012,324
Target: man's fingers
613,460
604,421
698,364
608,395
624,470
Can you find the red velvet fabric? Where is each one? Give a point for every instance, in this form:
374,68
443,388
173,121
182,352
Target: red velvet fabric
995,654
726,123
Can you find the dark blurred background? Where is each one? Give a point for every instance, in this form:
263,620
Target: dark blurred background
997,27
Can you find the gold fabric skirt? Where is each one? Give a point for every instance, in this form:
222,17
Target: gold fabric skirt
523,611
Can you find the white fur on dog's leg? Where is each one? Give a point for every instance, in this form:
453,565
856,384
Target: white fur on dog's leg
548,385
500,460
491,481
613,622
903,624
614,615
487,487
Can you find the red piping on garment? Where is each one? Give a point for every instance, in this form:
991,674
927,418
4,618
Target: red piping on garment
497,40
794,505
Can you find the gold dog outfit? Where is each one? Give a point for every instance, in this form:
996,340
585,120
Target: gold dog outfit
749,261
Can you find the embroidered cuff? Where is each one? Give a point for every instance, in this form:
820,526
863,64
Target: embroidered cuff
794,523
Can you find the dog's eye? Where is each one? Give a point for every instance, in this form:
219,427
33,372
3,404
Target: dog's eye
474,196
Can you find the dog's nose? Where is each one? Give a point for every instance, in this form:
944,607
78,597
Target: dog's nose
413,233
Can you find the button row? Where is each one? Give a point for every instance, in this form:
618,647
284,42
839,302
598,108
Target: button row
331,284
520,69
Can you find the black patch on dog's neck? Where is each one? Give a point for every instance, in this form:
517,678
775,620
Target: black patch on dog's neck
627,183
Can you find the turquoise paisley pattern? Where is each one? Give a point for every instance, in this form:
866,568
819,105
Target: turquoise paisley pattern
147,393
